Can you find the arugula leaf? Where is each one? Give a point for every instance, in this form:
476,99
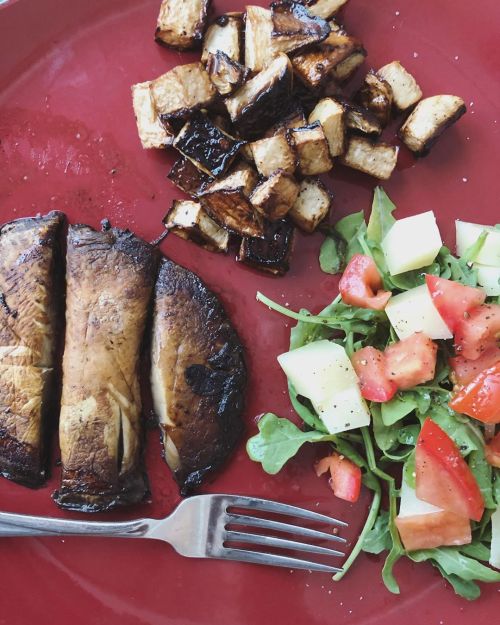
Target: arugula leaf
476,550
378,539
304,409
332,255
453,562
483,473
463,588
397,408
385,436
408,434
351,229
381,219
459,429
279,440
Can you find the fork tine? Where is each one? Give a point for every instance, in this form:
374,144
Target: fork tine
283,543
280,508
244,555
253,521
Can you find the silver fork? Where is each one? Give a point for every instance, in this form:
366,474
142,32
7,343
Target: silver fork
203,527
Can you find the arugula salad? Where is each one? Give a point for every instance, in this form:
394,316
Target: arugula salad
400,374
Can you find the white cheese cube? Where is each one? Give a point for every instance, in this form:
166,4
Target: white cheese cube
489,278
468,233
412,243
413,311
322,372
495,539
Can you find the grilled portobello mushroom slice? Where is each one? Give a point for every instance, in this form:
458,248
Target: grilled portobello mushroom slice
181,91
294,28
181,24
428,120
375,95
153,133
225,35
188,220
110,278
375,159
272,253
405,89
207,146
311,206
31,295
262,100
185,175
198,376
227,75
227,202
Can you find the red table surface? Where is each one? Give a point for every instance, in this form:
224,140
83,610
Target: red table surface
68,141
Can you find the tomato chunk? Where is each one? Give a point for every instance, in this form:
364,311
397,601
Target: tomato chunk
453,300
345,480
438,529
479,332
492,451
480,399
369,364
464,371
411,361
443,477
361,284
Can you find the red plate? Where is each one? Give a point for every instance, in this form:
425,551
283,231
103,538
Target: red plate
68,141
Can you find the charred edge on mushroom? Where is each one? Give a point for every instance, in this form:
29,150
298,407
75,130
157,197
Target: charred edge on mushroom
271,253
294,27
227,75
185,175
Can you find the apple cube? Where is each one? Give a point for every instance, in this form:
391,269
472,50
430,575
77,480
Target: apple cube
412,243
489,278
468,233
322,372
413,311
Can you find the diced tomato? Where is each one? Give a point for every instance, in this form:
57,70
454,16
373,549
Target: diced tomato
492,451
443,477
411,361
345,480
453,300
437,529
478,332
369,364
361,284
464,371
480,399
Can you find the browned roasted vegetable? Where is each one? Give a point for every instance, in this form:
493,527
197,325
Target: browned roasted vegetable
188,220
360,120
227,202
207,146
152,132
311,206
405,90
330,114
274,197
182,90
259,51
182,24
314,66
198,376
312,150
375,95
293,118
375,159
294,28
31,294
273,153
110,277
224,35
263,99
272,253
346,68
324,8
429,120
225,74
185,175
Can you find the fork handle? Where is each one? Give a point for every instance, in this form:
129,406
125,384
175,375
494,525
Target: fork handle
28,525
